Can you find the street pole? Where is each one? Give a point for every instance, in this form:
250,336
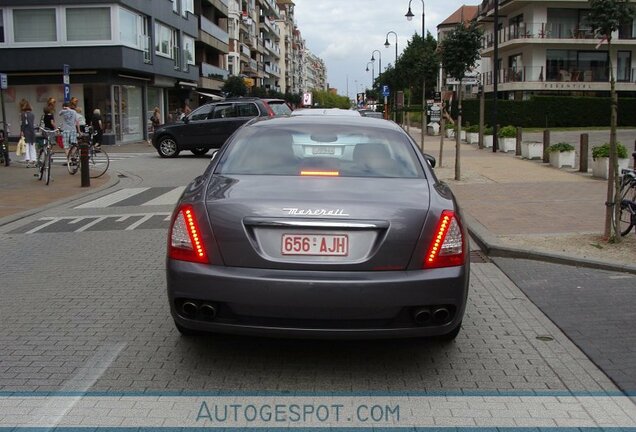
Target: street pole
495,141
409,16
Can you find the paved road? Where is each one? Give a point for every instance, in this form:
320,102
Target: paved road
84,308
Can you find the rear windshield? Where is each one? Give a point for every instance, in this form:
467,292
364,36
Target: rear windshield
321,150
280,108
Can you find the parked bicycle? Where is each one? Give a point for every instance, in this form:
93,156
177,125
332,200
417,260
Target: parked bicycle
45,153
4,144
98,160
627,216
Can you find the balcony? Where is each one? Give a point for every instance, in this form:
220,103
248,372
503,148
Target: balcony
215,31
211,71
245,50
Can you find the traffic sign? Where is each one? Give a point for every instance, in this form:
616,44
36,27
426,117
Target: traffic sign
385,90
66,80
3,81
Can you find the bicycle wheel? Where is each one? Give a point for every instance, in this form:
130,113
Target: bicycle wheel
626,217
41,164
98,162
73,159
48,162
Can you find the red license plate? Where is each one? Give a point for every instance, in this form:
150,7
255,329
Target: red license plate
315,244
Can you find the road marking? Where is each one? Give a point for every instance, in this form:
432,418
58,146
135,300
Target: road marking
90,224
139,222
36,229
94,220
112,198
169,198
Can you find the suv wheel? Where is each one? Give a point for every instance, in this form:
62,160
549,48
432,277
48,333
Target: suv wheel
199,151
167,147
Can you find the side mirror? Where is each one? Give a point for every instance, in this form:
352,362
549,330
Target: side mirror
430,159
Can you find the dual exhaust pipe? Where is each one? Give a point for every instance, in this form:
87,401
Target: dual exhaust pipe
190,310
436,315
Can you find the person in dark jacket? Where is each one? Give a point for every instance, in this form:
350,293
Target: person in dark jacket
27,130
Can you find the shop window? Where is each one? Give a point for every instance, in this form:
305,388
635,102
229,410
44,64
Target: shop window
34,25
88,24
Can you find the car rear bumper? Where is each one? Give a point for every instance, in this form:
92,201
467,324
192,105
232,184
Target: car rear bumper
316,304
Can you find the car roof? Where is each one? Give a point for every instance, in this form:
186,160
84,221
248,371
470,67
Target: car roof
327,120
325,112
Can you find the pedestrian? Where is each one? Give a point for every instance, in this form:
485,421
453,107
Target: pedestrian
155,121
27,131
48,118
186,108
70,126
98,127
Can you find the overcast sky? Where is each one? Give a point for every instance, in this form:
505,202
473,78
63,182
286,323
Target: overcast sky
345,32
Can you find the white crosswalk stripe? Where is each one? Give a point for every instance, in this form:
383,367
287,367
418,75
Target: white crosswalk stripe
169,198
112,198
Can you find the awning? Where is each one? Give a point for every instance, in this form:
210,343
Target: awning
212,96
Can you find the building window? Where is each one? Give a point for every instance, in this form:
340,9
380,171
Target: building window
1,27
88,24
164,40
130,30
175,6
624,66
34,25
187,6
188,49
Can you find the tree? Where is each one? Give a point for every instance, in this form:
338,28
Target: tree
459,53
234,86
605,17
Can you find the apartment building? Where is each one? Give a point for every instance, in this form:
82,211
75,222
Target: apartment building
314,72
125,57
212,47
548,47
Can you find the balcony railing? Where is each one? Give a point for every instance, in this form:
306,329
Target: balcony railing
566,75
214,30
211,71
245,50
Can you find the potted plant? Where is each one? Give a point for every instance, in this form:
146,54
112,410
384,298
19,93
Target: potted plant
450,130
562,154
532,150
487,137
472,134
462,134
600,159
507,138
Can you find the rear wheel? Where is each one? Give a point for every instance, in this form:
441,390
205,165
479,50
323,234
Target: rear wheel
199,151
5,154
167,147
48,161
72,160
626,216
98,162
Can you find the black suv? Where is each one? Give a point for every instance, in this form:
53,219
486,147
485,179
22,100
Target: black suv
209,125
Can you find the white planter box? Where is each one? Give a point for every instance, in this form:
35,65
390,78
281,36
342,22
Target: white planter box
450,133
532,150
487,141
472,137
600,167
561,159
507,144
462,135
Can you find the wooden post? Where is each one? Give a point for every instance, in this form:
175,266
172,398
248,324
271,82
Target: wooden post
518,144
584,155
546,144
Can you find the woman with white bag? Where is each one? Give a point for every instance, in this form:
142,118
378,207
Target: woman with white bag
27,131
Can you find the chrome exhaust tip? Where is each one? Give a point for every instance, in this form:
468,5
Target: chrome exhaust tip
441,315
422,315
189,309
208,311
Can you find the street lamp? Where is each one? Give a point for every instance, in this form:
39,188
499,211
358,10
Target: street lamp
387,44
379,58
409,16
372,72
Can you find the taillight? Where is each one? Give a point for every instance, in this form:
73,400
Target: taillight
185,243
447,247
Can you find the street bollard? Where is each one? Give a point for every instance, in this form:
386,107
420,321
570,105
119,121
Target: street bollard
546,144
518,144
583,156
86,179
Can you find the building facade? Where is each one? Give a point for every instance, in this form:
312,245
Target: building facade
548,47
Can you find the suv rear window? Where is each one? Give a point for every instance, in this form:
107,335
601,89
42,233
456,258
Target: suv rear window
323,150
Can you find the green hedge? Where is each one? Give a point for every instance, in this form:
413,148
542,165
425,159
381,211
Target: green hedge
550,111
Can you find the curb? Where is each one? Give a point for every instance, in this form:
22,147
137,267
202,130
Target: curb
114,180
493,247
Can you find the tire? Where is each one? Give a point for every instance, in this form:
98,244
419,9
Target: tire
167,147
98,162
73,160
41,163
199,151
48,162
628,193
